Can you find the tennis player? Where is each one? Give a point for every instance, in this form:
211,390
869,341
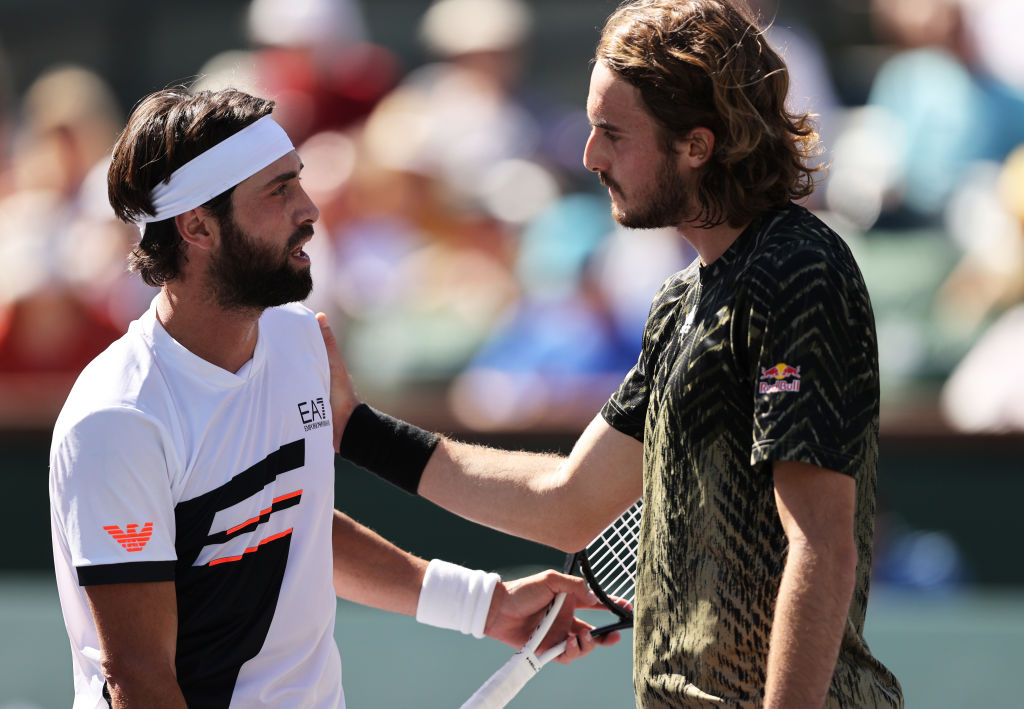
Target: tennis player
196,546
749,423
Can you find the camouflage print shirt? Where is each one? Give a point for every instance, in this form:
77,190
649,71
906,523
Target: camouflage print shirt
768,353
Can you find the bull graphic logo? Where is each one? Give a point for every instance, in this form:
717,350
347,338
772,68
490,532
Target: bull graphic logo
781,377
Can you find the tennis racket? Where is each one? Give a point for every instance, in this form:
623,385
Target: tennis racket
609,566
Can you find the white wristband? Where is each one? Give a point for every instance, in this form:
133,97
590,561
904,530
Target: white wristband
455,597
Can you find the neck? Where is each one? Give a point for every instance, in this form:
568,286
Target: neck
226,338
711,243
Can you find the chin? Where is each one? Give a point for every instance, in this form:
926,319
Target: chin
619,214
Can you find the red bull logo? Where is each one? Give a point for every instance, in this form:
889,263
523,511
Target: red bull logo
781,377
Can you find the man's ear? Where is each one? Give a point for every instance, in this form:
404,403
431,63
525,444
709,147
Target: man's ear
197,227
698,146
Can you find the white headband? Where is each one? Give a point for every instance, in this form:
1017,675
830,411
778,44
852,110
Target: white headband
221,167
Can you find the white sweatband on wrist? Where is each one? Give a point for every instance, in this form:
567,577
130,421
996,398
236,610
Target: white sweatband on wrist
218,169
456,598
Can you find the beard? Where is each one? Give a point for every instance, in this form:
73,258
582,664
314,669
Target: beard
247,275
663,206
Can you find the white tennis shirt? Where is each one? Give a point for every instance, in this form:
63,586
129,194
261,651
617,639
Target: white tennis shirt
165,467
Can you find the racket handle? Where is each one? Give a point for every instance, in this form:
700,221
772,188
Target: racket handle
505,684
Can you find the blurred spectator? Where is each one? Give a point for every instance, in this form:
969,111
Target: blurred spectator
314,58
986,390
63,286
6,123
934,109
414,280
811,89
450,166
547,347
922,560
563,346
460,118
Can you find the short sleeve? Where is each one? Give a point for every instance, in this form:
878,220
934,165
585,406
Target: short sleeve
626,410
816,379
111,496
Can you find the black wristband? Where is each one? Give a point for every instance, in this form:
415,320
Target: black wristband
391,449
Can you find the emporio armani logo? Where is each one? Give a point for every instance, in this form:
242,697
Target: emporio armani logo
313,413
131,538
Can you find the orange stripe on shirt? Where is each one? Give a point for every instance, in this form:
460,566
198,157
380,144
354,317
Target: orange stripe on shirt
226,559
267,511
289,496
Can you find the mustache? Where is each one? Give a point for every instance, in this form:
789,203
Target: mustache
301,234
608,182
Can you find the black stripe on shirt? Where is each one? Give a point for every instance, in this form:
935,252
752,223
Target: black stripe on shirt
130,572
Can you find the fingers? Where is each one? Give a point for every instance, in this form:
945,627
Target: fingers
342,396
327,334
608,639
573,586
581,643
573,649
526,601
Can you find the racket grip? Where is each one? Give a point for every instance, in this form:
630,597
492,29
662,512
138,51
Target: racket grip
505,684
518,669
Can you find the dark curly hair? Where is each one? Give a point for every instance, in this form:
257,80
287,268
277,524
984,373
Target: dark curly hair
166,130
706,63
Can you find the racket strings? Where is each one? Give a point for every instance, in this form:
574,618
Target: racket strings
612,556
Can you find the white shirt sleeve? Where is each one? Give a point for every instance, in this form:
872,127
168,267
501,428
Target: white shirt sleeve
110,488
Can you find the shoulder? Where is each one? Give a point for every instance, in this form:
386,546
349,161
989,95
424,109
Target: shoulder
120,393
100,425
290,315
293,332
95,441
668,300
675,287
290,325
119,377
796,245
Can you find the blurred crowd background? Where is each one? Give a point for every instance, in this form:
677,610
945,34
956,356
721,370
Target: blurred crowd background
470,267
466,258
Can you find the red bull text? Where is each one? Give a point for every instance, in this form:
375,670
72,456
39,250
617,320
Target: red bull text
781,377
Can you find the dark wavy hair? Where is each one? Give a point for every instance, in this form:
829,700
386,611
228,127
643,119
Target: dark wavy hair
166,130
706,63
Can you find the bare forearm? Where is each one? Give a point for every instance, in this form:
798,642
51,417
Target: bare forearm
810,614
146,689
370,570
561,502
141,680
515,492
136,624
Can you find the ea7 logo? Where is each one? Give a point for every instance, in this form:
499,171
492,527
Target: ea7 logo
131,538
313,413
310,411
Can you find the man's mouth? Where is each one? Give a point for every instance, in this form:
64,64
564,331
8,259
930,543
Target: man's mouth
298,240
609,183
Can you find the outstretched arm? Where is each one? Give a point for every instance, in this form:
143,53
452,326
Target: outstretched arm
370,570
562,502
